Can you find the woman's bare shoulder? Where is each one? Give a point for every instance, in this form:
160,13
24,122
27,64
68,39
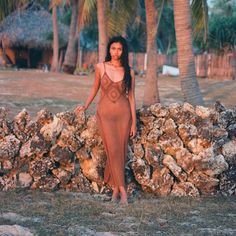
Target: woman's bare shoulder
99,65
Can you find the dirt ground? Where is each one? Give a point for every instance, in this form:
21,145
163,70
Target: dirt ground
34,90
67,213
64,213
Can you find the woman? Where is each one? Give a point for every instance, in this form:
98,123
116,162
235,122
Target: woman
116,112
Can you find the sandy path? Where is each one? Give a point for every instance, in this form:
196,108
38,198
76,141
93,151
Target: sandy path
35,90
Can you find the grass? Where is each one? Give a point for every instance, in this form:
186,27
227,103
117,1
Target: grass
64,213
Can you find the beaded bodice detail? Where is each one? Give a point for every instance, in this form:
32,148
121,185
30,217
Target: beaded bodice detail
112,89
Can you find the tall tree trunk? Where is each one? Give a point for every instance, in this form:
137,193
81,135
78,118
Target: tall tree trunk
79,27
151,94
71,52
102,29
61,55
234,64
54,65
186,63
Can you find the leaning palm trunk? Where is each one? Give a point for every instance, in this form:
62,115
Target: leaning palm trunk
71,52
102,30
54,66
151,94
189,83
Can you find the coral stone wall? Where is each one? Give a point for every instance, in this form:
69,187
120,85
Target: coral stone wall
179,150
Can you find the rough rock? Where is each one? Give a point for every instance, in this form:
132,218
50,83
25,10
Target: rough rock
203,112
25,180
4,124
52,130
92,166
15,230
229,149
36,146
179,150
162,181
19,123
61,155
153,155
184,189
9,147
204,183
185,160
171,164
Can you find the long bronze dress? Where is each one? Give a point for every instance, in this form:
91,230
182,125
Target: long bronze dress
114,121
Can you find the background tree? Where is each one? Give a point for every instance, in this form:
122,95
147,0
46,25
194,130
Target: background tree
71,50
9,6
102,30
151,94
222,26
78,30
166,32
186,63
55,57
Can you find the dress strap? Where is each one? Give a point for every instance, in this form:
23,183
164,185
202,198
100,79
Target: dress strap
104,66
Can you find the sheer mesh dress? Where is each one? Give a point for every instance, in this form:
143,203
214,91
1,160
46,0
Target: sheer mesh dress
114,122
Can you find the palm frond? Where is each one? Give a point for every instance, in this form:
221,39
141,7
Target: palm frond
119,15
200,19
89,8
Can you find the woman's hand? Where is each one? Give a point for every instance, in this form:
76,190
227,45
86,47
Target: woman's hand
78,109
133,131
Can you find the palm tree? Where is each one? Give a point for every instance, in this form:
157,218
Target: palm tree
70,56
78,29
102,29
186,63
54,65
151,94
109,19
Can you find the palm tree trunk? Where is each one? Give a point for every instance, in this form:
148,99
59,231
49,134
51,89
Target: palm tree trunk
234,64
70,56
102,29
54,66
79,27
61,53
186,63
151,94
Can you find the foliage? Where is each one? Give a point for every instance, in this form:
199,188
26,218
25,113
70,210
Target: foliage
222,33
49,36
200,19
222,26
119,15
9,6
89,34
223,7
166,32
136,31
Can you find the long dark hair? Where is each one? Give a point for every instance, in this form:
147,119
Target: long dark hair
124,58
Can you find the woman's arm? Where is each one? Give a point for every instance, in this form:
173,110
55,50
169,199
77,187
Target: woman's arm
93,91
131,97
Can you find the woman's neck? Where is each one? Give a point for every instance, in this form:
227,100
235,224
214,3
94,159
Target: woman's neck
116,63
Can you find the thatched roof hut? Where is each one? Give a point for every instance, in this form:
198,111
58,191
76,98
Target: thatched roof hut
26,37
31,28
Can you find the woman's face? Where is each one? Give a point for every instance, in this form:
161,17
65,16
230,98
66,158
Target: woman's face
116,50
